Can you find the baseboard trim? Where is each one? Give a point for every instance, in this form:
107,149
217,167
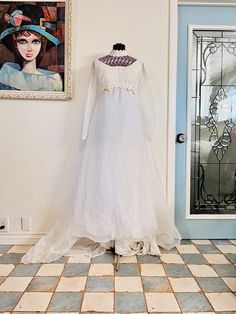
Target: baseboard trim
30,239
17,238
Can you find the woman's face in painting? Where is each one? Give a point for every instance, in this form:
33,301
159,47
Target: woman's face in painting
28,46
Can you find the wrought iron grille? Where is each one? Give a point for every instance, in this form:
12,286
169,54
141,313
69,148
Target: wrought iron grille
213,122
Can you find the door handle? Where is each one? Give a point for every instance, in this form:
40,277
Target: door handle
180,138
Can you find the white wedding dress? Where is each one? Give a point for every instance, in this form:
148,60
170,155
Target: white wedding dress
119,195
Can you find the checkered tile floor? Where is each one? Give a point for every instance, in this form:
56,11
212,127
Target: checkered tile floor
197,276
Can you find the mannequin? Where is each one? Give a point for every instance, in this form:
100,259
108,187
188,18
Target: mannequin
117,57
119,46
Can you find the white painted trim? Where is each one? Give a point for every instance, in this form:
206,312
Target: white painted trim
188,134
20,239
171,111
211,217
206,3
214,27
188,143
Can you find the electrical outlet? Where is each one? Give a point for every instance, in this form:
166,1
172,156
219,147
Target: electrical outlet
26,223
4,224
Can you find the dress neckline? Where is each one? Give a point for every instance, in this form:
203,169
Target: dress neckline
118,53
117,66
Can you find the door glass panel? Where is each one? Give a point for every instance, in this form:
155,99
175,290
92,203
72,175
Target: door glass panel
213,122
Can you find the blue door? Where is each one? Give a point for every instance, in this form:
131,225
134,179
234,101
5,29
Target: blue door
206,114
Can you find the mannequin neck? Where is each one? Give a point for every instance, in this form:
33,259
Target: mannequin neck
118,53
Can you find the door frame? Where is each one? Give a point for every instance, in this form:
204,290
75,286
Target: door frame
171,110
207,2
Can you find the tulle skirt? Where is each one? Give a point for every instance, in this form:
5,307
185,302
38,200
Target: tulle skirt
119,199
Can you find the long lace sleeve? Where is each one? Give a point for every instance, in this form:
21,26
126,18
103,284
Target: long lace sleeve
90,102
146,104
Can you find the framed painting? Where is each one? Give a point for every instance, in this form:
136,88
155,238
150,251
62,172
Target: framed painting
35,49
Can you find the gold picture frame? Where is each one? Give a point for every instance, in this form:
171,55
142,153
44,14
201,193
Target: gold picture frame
35,50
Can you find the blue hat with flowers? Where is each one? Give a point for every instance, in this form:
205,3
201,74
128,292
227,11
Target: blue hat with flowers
28,17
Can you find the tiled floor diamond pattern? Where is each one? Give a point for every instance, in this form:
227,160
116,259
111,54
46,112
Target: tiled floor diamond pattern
199,276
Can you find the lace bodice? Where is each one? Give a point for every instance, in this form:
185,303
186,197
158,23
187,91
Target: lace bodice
104,77
108,77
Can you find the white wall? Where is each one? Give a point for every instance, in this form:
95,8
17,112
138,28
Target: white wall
40,140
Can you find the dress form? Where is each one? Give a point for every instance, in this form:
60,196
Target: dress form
117,57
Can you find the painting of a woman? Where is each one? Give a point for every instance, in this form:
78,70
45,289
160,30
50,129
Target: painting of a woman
28,34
